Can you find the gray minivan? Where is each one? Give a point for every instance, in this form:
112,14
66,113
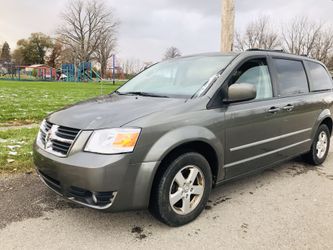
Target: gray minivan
165,138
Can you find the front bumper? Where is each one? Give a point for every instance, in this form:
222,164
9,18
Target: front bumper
95,200
104,182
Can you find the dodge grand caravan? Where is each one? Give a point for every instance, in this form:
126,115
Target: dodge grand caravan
165,138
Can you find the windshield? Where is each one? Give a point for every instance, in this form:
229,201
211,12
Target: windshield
181,77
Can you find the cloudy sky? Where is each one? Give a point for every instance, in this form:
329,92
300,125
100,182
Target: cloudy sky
148,27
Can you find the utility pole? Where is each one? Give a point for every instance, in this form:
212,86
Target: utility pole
228,25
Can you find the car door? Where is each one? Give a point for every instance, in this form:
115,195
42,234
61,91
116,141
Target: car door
299,109
253,128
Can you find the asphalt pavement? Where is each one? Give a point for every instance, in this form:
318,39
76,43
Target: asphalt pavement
288,207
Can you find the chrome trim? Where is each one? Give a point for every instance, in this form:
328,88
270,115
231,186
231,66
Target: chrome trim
72,199
269,140
50,135
265,154
93,206
55,137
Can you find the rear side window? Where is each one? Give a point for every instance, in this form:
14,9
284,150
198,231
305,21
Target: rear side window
291,77
320,80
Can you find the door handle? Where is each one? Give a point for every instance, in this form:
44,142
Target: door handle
288,108
274,110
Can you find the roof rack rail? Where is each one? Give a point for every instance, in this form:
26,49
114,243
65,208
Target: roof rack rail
269,50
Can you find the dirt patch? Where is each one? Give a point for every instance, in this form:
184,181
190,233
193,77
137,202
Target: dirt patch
208,207
139,232
330,177
5,126
17,123
298,169
221,200
25,196
245,227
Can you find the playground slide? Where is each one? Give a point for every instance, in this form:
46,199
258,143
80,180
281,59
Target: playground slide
87,75
91,78
97,75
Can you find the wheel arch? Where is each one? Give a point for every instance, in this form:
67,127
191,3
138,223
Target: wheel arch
329,122
191,138
182,140
325,117
203,148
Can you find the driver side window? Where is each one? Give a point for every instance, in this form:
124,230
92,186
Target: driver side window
255,72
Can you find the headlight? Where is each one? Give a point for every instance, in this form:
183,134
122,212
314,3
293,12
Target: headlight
113,141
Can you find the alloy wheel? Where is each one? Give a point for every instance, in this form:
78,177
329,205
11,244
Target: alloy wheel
187,189
322,144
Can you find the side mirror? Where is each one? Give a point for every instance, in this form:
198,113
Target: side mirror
240,92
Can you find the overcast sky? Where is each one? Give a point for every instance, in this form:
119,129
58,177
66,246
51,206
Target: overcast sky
148,27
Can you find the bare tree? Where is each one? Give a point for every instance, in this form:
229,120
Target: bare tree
258,34
53,60
172,52
323,48
105,49
305,37
300,36
84,25
132,66
330,64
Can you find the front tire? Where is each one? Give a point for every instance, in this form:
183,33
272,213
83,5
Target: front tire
182,190
320,146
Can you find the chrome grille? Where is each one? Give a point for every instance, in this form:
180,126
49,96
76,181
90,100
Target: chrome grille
56,139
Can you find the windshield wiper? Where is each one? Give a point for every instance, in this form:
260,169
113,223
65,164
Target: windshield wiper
208,84
140,93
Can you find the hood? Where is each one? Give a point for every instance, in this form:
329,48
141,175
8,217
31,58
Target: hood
110,111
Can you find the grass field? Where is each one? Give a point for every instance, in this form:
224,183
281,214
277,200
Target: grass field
29,102
16,150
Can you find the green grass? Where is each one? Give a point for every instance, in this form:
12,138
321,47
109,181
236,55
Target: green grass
16,150
29,102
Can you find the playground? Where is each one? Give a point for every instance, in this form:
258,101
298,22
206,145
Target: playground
82,72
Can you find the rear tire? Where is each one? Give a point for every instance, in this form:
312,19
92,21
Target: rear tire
181,191
320,146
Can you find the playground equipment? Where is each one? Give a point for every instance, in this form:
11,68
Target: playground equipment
83,73
114,71
38,72
69,71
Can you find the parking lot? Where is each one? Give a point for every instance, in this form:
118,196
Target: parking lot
282,208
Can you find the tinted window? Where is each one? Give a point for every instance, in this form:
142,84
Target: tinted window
291,77
255,72
320,80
